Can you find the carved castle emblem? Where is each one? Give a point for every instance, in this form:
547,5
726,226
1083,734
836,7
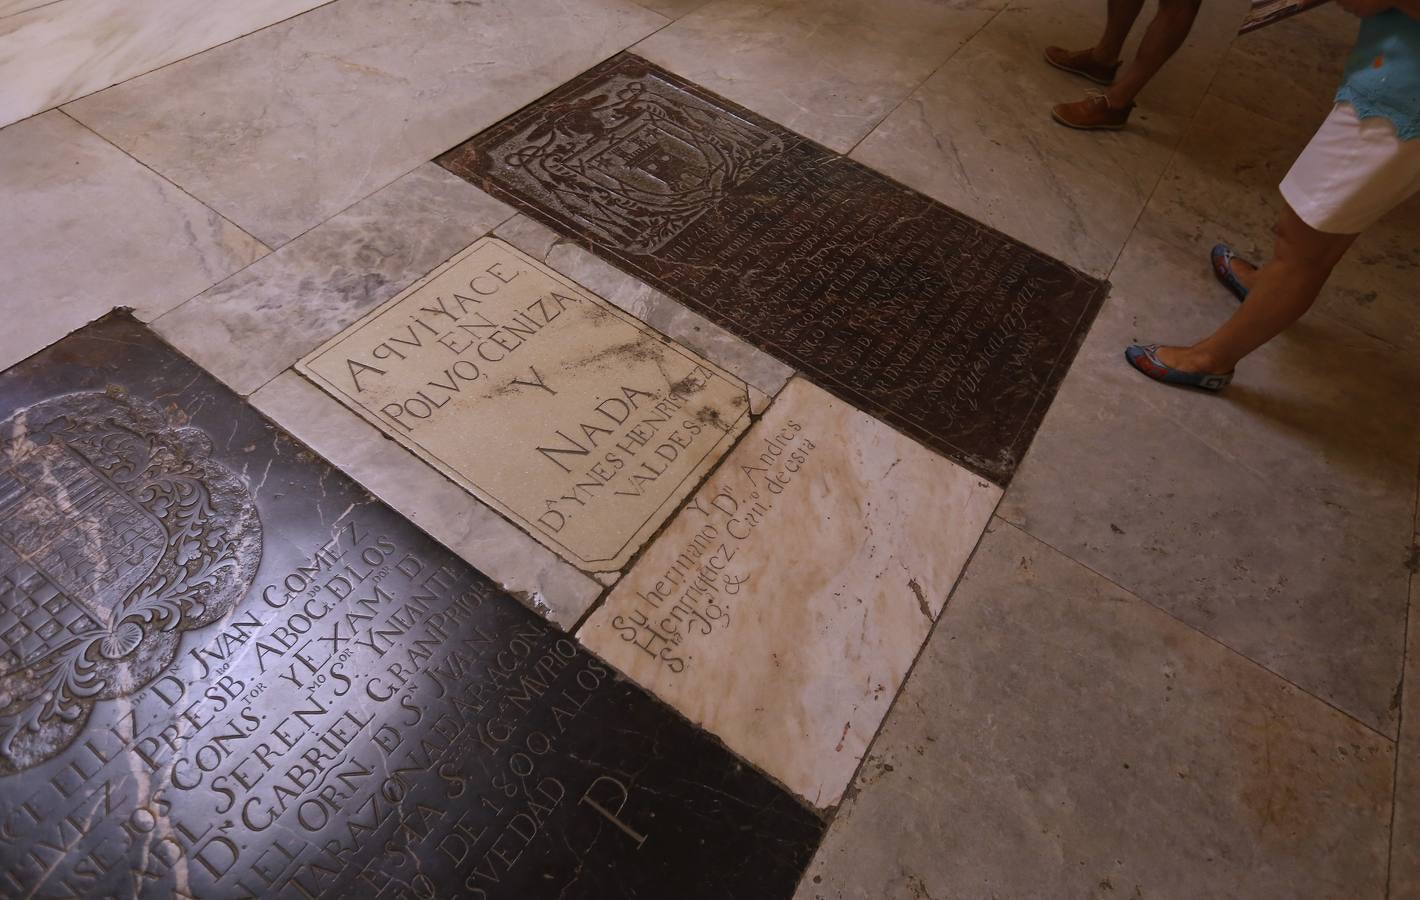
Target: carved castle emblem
117,534
635,163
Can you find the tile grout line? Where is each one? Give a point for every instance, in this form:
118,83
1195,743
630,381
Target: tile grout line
1393,741
1174,153
60,106
1400,690
166,180
846,154
31,9
188,194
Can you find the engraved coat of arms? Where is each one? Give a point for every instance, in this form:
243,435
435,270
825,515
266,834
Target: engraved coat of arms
635,163
117,535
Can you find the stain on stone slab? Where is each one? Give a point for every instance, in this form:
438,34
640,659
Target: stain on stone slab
227,670
940,326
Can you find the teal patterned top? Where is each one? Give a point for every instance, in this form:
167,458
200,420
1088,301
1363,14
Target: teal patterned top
1383,74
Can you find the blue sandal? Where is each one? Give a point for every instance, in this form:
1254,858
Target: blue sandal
1222,259
1145,359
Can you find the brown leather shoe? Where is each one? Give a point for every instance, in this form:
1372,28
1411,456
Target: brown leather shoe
1082,63
1092,114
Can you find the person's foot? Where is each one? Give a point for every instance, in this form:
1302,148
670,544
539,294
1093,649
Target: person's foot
1082,63
1092,114
1177,365
1232,272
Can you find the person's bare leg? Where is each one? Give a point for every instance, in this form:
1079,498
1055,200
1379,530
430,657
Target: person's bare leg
1166,33
1120,18
1281,291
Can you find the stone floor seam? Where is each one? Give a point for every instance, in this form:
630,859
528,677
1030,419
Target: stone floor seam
1394,741
930,75
156,174
1400,694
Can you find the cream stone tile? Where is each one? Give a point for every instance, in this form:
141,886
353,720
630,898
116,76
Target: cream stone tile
51,53
661,312
286,127
1274,517
828,69
978,136
1222,186
84,228
783,606
1061,738
494,546
1290,71
257,323
568,416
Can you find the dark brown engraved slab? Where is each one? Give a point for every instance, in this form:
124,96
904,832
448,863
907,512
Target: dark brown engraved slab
227,671
946,329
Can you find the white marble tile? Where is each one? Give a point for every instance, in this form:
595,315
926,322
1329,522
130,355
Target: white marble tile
494,546
562,412
783,606
53,53
286,127
1061,738
828,69
978,136
250,327
84,228
661,312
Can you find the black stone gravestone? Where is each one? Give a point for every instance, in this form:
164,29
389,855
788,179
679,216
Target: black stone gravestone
227,671
942,327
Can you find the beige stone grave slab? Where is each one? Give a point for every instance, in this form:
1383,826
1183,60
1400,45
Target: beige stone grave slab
565,414
783,606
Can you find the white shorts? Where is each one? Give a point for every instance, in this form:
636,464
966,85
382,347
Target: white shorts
1351,173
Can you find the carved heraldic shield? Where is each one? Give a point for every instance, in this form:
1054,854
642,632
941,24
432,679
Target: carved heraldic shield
117,534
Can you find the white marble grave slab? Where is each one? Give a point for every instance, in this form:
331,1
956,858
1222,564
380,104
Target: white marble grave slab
564,413
783,606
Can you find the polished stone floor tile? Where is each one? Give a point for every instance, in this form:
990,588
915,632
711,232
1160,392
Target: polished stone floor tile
51,53
567,415
520,565
1222,186
673,319
230,671
83,228
978,136
783,606
1300,59
1061,738
1275,517
827,69
905,308
287,127
250,327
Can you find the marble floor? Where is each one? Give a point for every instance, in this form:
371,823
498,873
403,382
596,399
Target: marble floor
681,448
